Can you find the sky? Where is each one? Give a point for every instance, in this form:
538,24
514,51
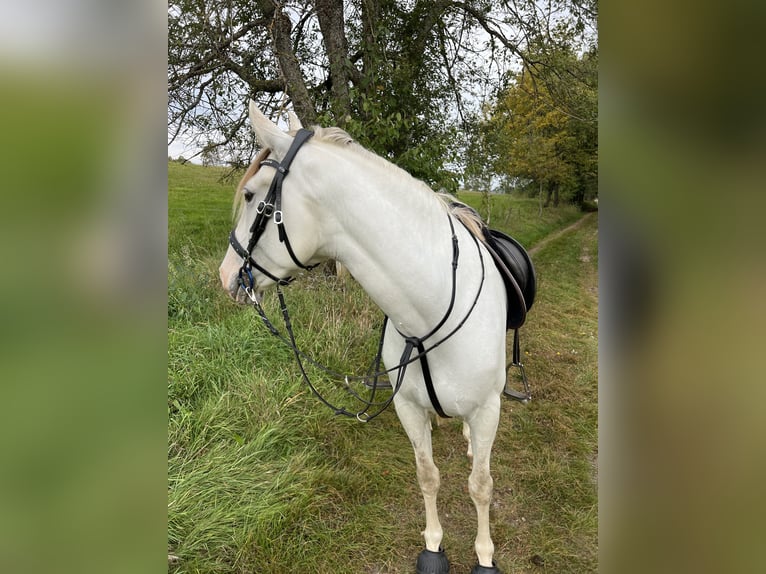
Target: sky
179,147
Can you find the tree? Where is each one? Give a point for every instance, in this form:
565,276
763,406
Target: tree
543,128
398,75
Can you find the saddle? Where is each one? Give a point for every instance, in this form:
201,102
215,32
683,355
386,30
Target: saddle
518,274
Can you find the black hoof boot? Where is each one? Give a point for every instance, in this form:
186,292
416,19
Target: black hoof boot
432,562
479,569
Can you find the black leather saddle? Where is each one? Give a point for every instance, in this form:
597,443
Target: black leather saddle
518,273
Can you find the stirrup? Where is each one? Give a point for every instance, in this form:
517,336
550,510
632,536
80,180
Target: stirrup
524,397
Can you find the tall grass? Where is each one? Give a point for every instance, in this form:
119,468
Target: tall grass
262,478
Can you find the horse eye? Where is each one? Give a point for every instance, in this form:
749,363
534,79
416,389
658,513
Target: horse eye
248,196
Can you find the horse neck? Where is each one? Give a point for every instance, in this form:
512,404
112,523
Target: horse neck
394,237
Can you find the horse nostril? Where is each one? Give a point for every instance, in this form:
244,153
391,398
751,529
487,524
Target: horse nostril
228,282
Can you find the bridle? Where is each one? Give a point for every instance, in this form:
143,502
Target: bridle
271,207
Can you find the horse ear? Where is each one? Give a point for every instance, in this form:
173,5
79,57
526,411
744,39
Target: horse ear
293,121
268,134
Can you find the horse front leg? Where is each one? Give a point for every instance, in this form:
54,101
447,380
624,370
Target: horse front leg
467,437
483,427
417,424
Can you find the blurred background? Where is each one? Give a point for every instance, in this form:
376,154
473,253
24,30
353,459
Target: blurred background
82,289
681,432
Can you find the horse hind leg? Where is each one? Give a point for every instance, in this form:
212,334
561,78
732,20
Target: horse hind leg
483,427
417,425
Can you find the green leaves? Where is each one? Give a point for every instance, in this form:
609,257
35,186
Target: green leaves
543,127
404,78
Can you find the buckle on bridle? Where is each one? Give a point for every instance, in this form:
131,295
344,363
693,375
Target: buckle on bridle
266,209
247,282
245,273
278,219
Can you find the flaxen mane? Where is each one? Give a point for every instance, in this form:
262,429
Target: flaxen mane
467,215
239,197
336,136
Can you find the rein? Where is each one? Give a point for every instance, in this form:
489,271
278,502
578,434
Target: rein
373,373
271,206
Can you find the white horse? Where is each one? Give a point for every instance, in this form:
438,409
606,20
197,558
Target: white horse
395,236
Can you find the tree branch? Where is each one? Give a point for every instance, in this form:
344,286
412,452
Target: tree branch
289,66
212,60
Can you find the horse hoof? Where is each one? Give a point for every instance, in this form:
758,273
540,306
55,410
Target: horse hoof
432,562
479,569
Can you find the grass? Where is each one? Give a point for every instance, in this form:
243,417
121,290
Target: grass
521,217
262,478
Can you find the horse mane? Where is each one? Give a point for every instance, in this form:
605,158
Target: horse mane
336,136
468,216
239,197
341,138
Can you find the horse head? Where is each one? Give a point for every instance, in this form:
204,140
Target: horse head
267,203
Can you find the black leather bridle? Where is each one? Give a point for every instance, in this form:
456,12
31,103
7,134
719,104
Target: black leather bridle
270,207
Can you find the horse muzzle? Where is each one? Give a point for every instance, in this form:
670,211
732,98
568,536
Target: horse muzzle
242,292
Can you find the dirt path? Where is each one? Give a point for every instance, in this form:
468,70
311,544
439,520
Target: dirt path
561,232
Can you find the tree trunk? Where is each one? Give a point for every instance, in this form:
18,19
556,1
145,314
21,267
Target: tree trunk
370,50
295,85
424,16
332,26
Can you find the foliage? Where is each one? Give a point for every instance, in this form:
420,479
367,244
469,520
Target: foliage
543,128
401,76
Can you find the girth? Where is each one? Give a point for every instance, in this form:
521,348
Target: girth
415,343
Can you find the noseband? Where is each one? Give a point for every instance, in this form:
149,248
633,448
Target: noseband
270,207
